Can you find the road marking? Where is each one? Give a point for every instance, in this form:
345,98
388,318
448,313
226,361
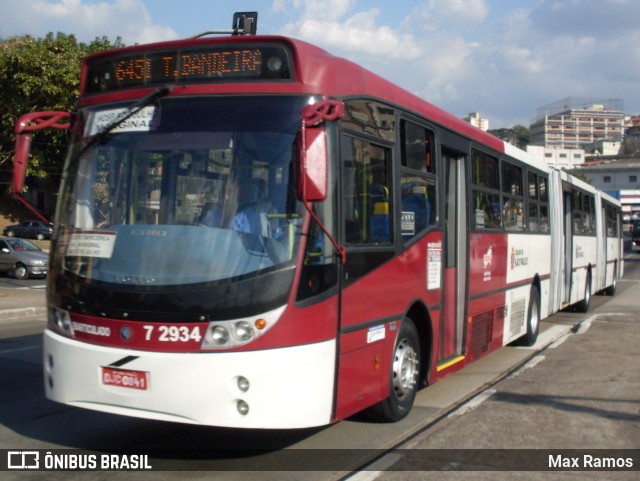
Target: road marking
377,468
8,351
532,363
473,403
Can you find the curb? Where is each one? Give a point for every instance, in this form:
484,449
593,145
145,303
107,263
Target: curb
22,313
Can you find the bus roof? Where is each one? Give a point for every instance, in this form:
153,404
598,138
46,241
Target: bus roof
316,72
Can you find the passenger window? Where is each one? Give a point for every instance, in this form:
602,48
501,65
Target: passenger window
513,205
486,209
367,196
417,180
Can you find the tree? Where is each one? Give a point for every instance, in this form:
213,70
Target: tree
35,75
517,135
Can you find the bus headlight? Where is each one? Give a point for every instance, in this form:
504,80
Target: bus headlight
243,331
219,335
60,320
237,332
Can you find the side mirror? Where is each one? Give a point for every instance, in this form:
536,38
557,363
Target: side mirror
26,124
312,162
5,251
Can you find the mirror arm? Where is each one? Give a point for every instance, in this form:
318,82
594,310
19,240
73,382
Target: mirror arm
25,125
313,116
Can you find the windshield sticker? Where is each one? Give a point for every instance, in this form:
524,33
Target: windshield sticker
141,121
408,223
91,244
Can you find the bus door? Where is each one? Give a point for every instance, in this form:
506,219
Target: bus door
568,244
452,327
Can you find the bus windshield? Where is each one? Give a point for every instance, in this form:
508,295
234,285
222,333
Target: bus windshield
187,190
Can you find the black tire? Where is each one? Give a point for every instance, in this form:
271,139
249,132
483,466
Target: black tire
611,290
10,233
533,320
20,272
40,236
404,377
583,305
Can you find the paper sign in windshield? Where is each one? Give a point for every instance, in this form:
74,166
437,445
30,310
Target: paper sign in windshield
141,121
92,244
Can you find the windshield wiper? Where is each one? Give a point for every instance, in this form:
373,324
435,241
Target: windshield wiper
128,113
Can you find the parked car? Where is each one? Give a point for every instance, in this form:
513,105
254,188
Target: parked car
22,258
30,229
635,235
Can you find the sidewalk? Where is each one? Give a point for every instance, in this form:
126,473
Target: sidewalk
583,396
22,303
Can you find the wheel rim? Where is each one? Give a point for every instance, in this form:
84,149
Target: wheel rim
20,272
405,369
587,292
534,318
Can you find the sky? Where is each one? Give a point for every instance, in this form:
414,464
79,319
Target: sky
502,58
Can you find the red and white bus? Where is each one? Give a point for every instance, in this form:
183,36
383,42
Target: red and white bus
253,233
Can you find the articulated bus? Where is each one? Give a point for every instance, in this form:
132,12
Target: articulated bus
253,233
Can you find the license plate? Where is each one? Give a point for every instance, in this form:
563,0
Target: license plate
125,378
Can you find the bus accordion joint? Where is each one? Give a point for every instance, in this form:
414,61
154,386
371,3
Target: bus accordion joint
312,155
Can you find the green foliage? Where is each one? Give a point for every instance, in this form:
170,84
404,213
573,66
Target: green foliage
36,75
517,135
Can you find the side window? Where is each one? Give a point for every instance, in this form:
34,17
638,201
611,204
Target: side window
417,180
367,196
589,210
485,195
538,218
513,205
577,212
533,218
544,204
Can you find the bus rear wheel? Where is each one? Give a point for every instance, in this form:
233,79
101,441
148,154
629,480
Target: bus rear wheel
583,305
404,376
611,290
533,320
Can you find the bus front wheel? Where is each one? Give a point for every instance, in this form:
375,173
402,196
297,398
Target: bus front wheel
404,376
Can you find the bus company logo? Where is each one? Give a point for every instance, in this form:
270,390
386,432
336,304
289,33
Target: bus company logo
518,258
487,263
487,259
23,460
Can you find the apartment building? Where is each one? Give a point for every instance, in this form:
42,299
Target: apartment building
576,122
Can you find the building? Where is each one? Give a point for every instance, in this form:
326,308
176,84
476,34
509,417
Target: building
476,120
576,122
561,158
619,177
604,148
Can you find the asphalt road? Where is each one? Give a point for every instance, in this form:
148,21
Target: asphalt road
572,390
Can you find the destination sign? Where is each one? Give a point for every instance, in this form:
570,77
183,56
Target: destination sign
242,62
